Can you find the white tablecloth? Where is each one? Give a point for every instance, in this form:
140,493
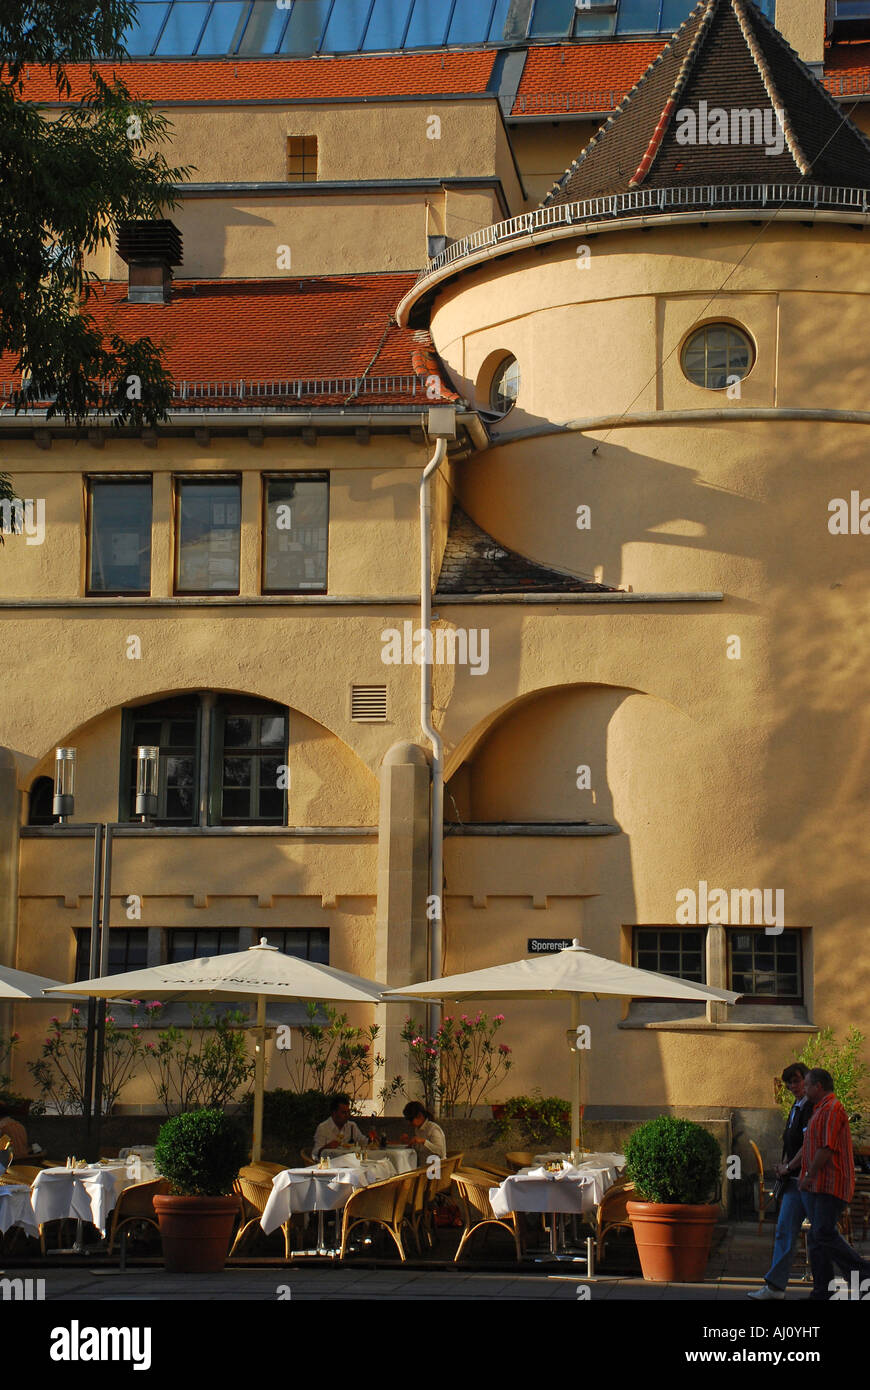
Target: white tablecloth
402,1160
87,1194
318,1189
16,1208
573,1190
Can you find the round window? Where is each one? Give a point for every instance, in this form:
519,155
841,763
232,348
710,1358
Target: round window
716,355
505,385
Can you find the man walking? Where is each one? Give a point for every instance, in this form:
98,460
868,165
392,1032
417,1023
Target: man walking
827,1184
791,1210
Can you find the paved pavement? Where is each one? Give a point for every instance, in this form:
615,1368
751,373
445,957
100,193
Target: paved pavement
736,1265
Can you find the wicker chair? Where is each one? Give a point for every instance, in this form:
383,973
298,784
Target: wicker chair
449,1166
765,1191
379,1204
21,1173
498,1173
136,1203
253,1187
472,1190
612,1213
518,1160
417,1209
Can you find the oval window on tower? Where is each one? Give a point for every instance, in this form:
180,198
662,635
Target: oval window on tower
717,355
505,385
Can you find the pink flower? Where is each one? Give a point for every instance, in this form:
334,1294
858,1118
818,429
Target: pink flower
503,1050
55,1019
76,1011
135,1025
149,1047
15,1037
109,1018
499,1018
431,1052
155,1004
134,1003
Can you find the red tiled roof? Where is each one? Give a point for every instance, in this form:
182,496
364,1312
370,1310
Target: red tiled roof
847,57
400,74
589,71
270,331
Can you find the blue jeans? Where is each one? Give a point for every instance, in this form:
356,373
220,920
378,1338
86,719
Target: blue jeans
827,1247
788,1224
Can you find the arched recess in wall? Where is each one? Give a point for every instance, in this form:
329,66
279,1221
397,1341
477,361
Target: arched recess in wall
566,754
226,758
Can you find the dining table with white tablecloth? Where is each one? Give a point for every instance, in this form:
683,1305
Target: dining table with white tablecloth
319,1189
573,1189
85,1194
16,1208
403,1160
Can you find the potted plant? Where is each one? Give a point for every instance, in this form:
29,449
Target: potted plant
200,1154
675,1166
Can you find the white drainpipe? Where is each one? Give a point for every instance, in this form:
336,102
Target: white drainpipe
442,426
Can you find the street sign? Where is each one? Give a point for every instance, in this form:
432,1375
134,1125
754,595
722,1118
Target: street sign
542,945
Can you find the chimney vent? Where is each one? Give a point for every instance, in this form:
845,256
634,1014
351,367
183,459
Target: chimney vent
150,248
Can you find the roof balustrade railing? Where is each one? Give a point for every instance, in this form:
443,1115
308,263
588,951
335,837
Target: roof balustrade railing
747,195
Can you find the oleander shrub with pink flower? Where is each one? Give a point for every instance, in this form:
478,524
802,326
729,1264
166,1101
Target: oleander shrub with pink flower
460,1064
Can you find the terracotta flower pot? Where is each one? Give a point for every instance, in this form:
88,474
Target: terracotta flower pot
673,1241
195,1232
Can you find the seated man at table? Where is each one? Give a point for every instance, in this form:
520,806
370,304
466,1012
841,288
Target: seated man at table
339,1131
427,1137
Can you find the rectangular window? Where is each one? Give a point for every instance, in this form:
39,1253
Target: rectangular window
304,27
429,20
552,19
670,951
296,528
183,28
252,765
264,28
302,158
208,535
346,25
386,26
599,18
222,32
765,969
140,37
173,727
198,942
119,536
128,950
299,941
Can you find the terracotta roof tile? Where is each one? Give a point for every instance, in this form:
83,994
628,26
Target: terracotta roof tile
401,74
273,331
596,75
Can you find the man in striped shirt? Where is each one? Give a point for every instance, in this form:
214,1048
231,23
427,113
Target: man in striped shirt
827,1184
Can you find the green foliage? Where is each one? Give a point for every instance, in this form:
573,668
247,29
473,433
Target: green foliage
201,1067
67,179
334,1058
460,1064
844,1063
60,1071
9,1099
200,1153
292,1116
671,1160
538,1117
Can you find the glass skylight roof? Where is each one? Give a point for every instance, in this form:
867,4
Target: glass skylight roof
301,28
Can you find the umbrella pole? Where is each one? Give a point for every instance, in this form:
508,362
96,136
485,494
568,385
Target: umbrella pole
575,1081
259,1079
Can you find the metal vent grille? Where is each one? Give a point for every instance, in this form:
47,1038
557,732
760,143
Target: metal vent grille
368,703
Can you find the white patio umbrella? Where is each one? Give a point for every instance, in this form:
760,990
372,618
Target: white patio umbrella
573,973
262,971
19,985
